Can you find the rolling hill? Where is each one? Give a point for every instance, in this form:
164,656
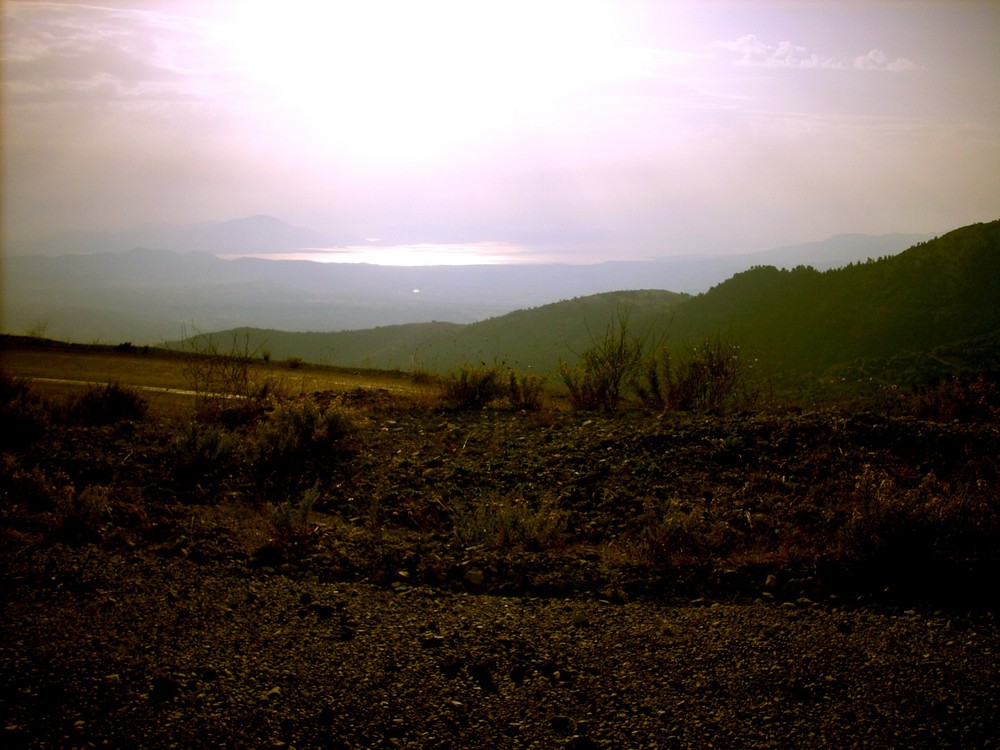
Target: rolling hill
930,310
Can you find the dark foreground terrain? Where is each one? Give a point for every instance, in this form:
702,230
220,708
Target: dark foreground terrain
361,570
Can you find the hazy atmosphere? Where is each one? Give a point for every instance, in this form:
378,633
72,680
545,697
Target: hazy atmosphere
567,131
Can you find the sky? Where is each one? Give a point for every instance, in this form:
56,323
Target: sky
574,129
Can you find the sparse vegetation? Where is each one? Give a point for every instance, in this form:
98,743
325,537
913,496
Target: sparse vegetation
113,402
282,529
779,489
975,399
472,387
477,387
23,417
606,368
712,375
223,381
294,442
505,522
292,519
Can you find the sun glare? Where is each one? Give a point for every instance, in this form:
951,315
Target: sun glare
397,81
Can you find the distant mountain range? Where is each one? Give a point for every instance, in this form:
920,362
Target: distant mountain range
924,313
86,287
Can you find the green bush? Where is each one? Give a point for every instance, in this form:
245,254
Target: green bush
478,387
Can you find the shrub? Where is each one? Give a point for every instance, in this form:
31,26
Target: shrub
202,450
79,515
935,534
223,383
710,376
501,521
472,387
293,436
478,387
965,399
525,391
111,403
420,376
291,519
23,416
675,534
597,383
30,489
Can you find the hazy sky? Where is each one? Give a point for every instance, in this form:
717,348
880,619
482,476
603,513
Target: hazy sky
619,129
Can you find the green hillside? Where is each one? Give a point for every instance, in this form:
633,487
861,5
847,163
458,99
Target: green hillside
931,310
534,339
802,323
384,347
538,338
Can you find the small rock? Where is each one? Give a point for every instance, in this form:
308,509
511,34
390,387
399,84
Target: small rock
481,673
322,611
475,576
164,688
562,724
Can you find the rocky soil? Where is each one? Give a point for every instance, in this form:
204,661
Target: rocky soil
506,580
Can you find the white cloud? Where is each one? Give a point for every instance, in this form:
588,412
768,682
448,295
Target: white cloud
753,52
59,52
878,60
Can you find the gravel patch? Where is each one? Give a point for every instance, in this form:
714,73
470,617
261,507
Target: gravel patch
101,649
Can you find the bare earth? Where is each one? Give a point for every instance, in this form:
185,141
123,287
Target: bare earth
105,648
654,583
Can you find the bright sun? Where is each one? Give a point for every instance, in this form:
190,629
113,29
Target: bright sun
403,81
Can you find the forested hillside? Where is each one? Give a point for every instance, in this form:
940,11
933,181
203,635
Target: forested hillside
800,322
